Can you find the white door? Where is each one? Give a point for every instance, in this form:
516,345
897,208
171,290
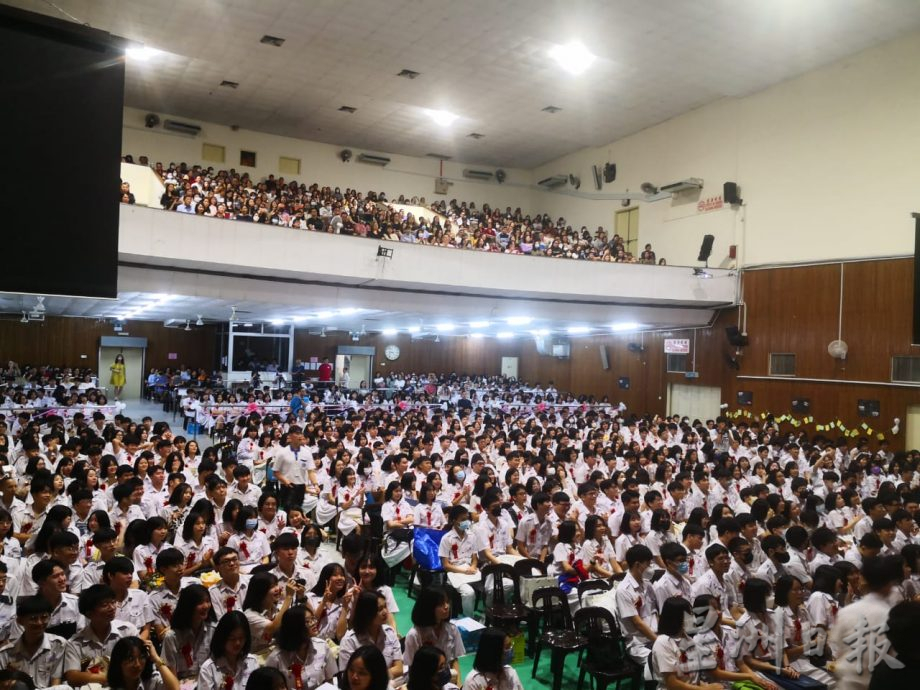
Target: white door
695,402
912,433
510,367
134,371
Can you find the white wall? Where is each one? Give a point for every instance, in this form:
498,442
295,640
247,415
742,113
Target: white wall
320,163
827,163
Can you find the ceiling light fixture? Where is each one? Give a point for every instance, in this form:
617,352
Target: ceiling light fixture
519,320
442,117
579,330
277,322
414,329
141,53
325,314
573,57
624,326
299,319
504,335
540,332
445,327
348,311
477,335
390,331
199,322
479,324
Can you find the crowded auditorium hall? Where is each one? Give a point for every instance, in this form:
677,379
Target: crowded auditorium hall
429,345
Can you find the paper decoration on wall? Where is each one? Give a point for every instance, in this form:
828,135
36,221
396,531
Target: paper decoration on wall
819,427
881,436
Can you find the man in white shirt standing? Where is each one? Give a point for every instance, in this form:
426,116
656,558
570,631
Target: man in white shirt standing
289,466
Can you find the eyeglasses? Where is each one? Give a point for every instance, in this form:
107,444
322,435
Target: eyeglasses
230,561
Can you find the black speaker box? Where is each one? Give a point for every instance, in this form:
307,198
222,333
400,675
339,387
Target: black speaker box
610,172
734,336
868,408
706,247
731,194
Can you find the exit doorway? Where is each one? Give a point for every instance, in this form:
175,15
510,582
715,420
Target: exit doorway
134,351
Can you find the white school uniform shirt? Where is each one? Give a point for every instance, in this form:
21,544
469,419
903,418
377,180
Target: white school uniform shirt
214,672
669,585
447,639
458,551
387,642
430,515
507,680
225,598
45,665
535,535
495,537
318,667
598,551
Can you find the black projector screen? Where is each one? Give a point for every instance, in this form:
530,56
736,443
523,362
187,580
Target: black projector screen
62,87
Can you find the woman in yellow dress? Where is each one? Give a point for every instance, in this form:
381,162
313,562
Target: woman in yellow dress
118,375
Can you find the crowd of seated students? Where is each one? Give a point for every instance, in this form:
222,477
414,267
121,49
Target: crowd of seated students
42,387
739,553
231,195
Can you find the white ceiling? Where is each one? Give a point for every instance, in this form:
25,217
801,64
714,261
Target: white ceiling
485,61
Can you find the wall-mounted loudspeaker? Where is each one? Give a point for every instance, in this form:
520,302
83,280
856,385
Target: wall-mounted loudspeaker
801,405
610,172
868,408
706,247
735,337
731,193
635,347
605,363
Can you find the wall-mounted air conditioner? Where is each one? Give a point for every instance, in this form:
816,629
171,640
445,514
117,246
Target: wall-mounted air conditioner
682,186
182,128
484,175
371,159
554,181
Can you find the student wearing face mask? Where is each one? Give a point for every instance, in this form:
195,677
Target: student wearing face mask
774,567
535,531
430,671
458,554
456,491
739,572
635,602
491,668
674,582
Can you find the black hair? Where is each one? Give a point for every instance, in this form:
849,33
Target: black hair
713,551
188,524
266,678
490,657
638,553
293,632
567,531
783,586
92,597
189,599
825,579
122,650
671,621
882,571
423,613
366,606
169,557
424,668
374,663
119,564
671,551
904,630
329,571
229,623
755,595
259,587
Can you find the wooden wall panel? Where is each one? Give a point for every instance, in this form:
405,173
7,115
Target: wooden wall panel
62,341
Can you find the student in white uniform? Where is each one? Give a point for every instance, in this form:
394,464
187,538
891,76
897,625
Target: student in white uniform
669,660
458,554
635,602
492,666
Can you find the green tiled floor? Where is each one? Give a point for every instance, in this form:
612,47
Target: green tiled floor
544,679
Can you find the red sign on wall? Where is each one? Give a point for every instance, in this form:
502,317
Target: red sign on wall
713,203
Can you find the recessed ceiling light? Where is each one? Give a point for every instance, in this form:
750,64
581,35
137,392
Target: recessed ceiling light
141,53
624,326
230,84
390,331
408,74
325,314
277,322
573,57
442,117
347,109
348,310
477,335
579,330
445,327
414,329
540,332
272,41
299,319
519,320
479,324
552,109
504,335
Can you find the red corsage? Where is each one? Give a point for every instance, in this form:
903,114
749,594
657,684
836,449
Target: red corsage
190,559
230,603
148,564
166,611
683,657
455,549
187,654
228,682
533,535
26,527
296,673
429,518
639,604
741,586
89,547
244,549
797,637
